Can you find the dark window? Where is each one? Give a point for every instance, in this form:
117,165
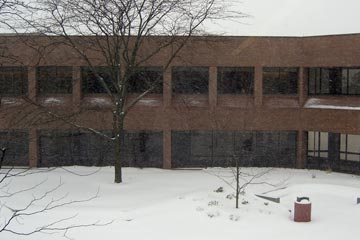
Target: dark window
16,144
91,84
74,148
235,80
54,80
142,149
224,148
139,149
13,81
190,80
280,80
145,78
334,81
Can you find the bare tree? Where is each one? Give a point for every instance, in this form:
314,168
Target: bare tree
123,36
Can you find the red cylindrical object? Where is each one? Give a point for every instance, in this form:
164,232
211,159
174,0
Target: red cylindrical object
302,211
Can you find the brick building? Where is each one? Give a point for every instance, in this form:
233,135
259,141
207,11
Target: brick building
268,101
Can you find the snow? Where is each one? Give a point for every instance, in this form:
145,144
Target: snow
53,100
320,103
150,102
100,101
183,204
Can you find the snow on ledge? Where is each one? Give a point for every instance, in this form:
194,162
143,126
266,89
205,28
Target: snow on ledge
324,104
149,102
53,100
100,101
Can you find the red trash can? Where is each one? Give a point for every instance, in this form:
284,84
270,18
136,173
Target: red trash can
302,210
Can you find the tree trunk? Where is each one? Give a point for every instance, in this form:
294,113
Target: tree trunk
119,133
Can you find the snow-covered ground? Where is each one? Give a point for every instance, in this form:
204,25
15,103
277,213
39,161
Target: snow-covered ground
182,204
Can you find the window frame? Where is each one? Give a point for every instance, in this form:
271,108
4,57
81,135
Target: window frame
189,83
86,71
319,92
239,69
280,70
60,79
13,71
134,78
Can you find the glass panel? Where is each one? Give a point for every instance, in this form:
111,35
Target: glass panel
235,80
146,78
354,81
54,80
353,144
13,81
190,80
17,148
324,85
280,80
91,84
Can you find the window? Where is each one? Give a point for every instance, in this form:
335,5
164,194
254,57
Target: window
56,80
17,148
91,84
190,80
350,147
334,81
235,80
280,80
318,144
146,78
13,81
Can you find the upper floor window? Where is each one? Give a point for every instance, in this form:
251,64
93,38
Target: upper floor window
278,80
235,80
145,78
13,81
334,81
54,79
190,80
91,82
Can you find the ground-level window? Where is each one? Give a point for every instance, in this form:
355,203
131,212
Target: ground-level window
224,148
54,79
139,149
334,81
190,80
235,80
350,147
145,78
91,83
16,144
13,81
280,80
318,144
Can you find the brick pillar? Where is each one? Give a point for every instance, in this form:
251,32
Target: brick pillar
76,93
167,88
302,86
33,148
32,85
212,87
301,149
258,87
167,149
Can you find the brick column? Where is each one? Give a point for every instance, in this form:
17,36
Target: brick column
76,92
33,148
258,87
301,149
212,87
302,86
32,84
167,149
167,88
